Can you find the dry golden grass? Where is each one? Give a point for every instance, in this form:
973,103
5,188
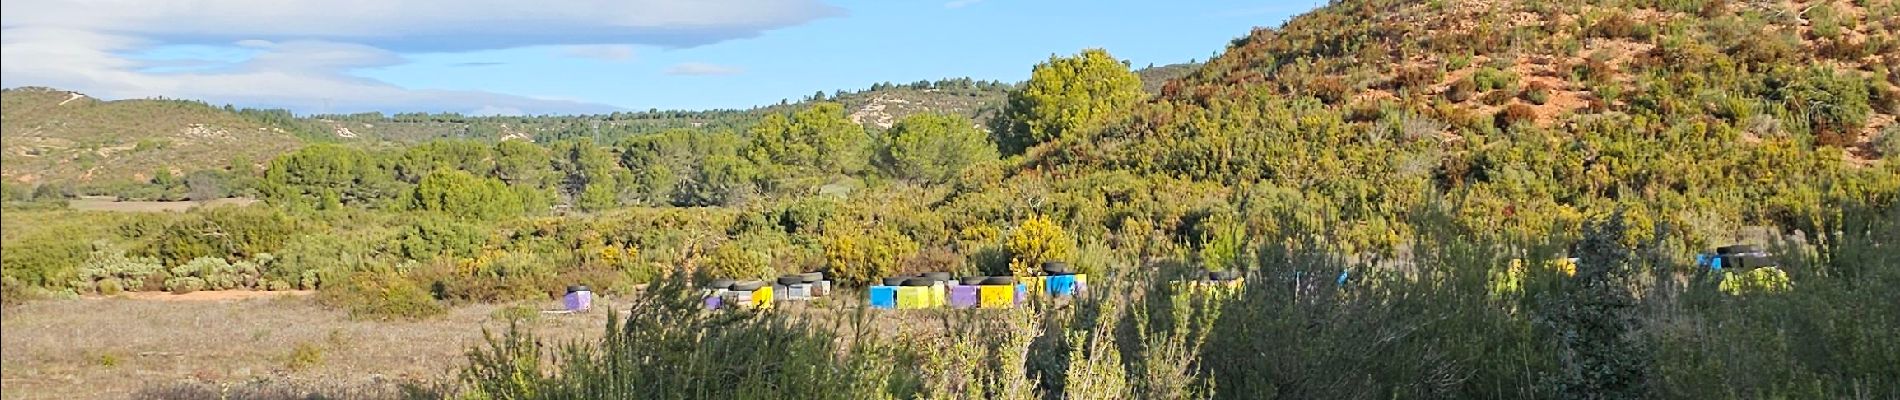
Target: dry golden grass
112,348
109,204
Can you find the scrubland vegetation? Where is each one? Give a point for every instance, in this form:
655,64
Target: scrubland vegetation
1416,147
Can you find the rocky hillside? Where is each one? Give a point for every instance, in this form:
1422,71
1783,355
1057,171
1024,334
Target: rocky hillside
1701,114
60,136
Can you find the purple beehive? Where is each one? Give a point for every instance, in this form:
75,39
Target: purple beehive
579,298
963,296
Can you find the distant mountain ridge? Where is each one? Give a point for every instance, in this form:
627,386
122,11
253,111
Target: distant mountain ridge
53,135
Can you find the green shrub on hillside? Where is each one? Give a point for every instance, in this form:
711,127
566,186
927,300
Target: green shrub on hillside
1834,104
1066,97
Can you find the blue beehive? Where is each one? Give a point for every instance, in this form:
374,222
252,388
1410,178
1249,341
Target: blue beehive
884,297
1064,285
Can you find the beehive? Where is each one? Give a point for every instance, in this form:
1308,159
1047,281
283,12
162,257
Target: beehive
884,297
997,296
1064,285
964,297
762,298
939,295
914,297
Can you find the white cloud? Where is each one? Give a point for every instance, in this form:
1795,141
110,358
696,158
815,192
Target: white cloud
961,3
306,50
306,76
429,25
603,52
703,69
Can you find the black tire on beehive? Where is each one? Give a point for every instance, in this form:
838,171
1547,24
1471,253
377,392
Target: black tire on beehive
999,280
938,276
973,280
747,286
919,281
789,280
1056,268
811,277
721,284
895,280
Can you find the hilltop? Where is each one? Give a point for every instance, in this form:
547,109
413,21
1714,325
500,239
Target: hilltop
60,136
1703,115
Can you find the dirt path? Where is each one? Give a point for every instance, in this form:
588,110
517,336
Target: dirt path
208,295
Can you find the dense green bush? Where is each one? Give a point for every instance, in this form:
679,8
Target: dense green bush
934,147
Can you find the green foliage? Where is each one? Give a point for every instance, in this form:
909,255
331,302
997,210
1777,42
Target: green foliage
383,295
431,236
183,285
304,356
934,147
820,139
1768,280
467,196
1600,352
733,259
109,266
1834,104
1037,240
1065,97
221,232
858,256
1889,142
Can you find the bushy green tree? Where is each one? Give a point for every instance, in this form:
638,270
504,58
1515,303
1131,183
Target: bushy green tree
857,256
820,139
588,174
934,147
1039,239
465,195
1066,96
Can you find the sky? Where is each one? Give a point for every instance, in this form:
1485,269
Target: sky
512,57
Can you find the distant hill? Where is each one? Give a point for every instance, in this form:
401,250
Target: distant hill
1153,78
61,136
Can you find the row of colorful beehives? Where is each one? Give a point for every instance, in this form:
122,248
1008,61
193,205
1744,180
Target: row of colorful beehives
935,290
728,293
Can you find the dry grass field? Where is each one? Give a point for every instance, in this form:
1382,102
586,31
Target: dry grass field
116,347
110,204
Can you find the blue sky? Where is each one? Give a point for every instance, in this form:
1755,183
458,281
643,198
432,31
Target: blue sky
583,55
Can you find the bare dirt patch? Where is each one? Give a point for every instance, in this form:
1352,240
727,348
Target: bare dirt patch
110,204
209,295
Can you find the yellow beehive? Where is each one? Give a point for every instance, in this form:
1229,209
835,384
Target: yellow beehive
762,298
996,296
939,295
914,297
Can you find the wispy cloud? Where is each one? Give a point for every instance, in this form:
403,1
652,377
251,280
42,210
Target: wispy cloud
702,69
603,52
303,54
305,76
961,3
424,25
